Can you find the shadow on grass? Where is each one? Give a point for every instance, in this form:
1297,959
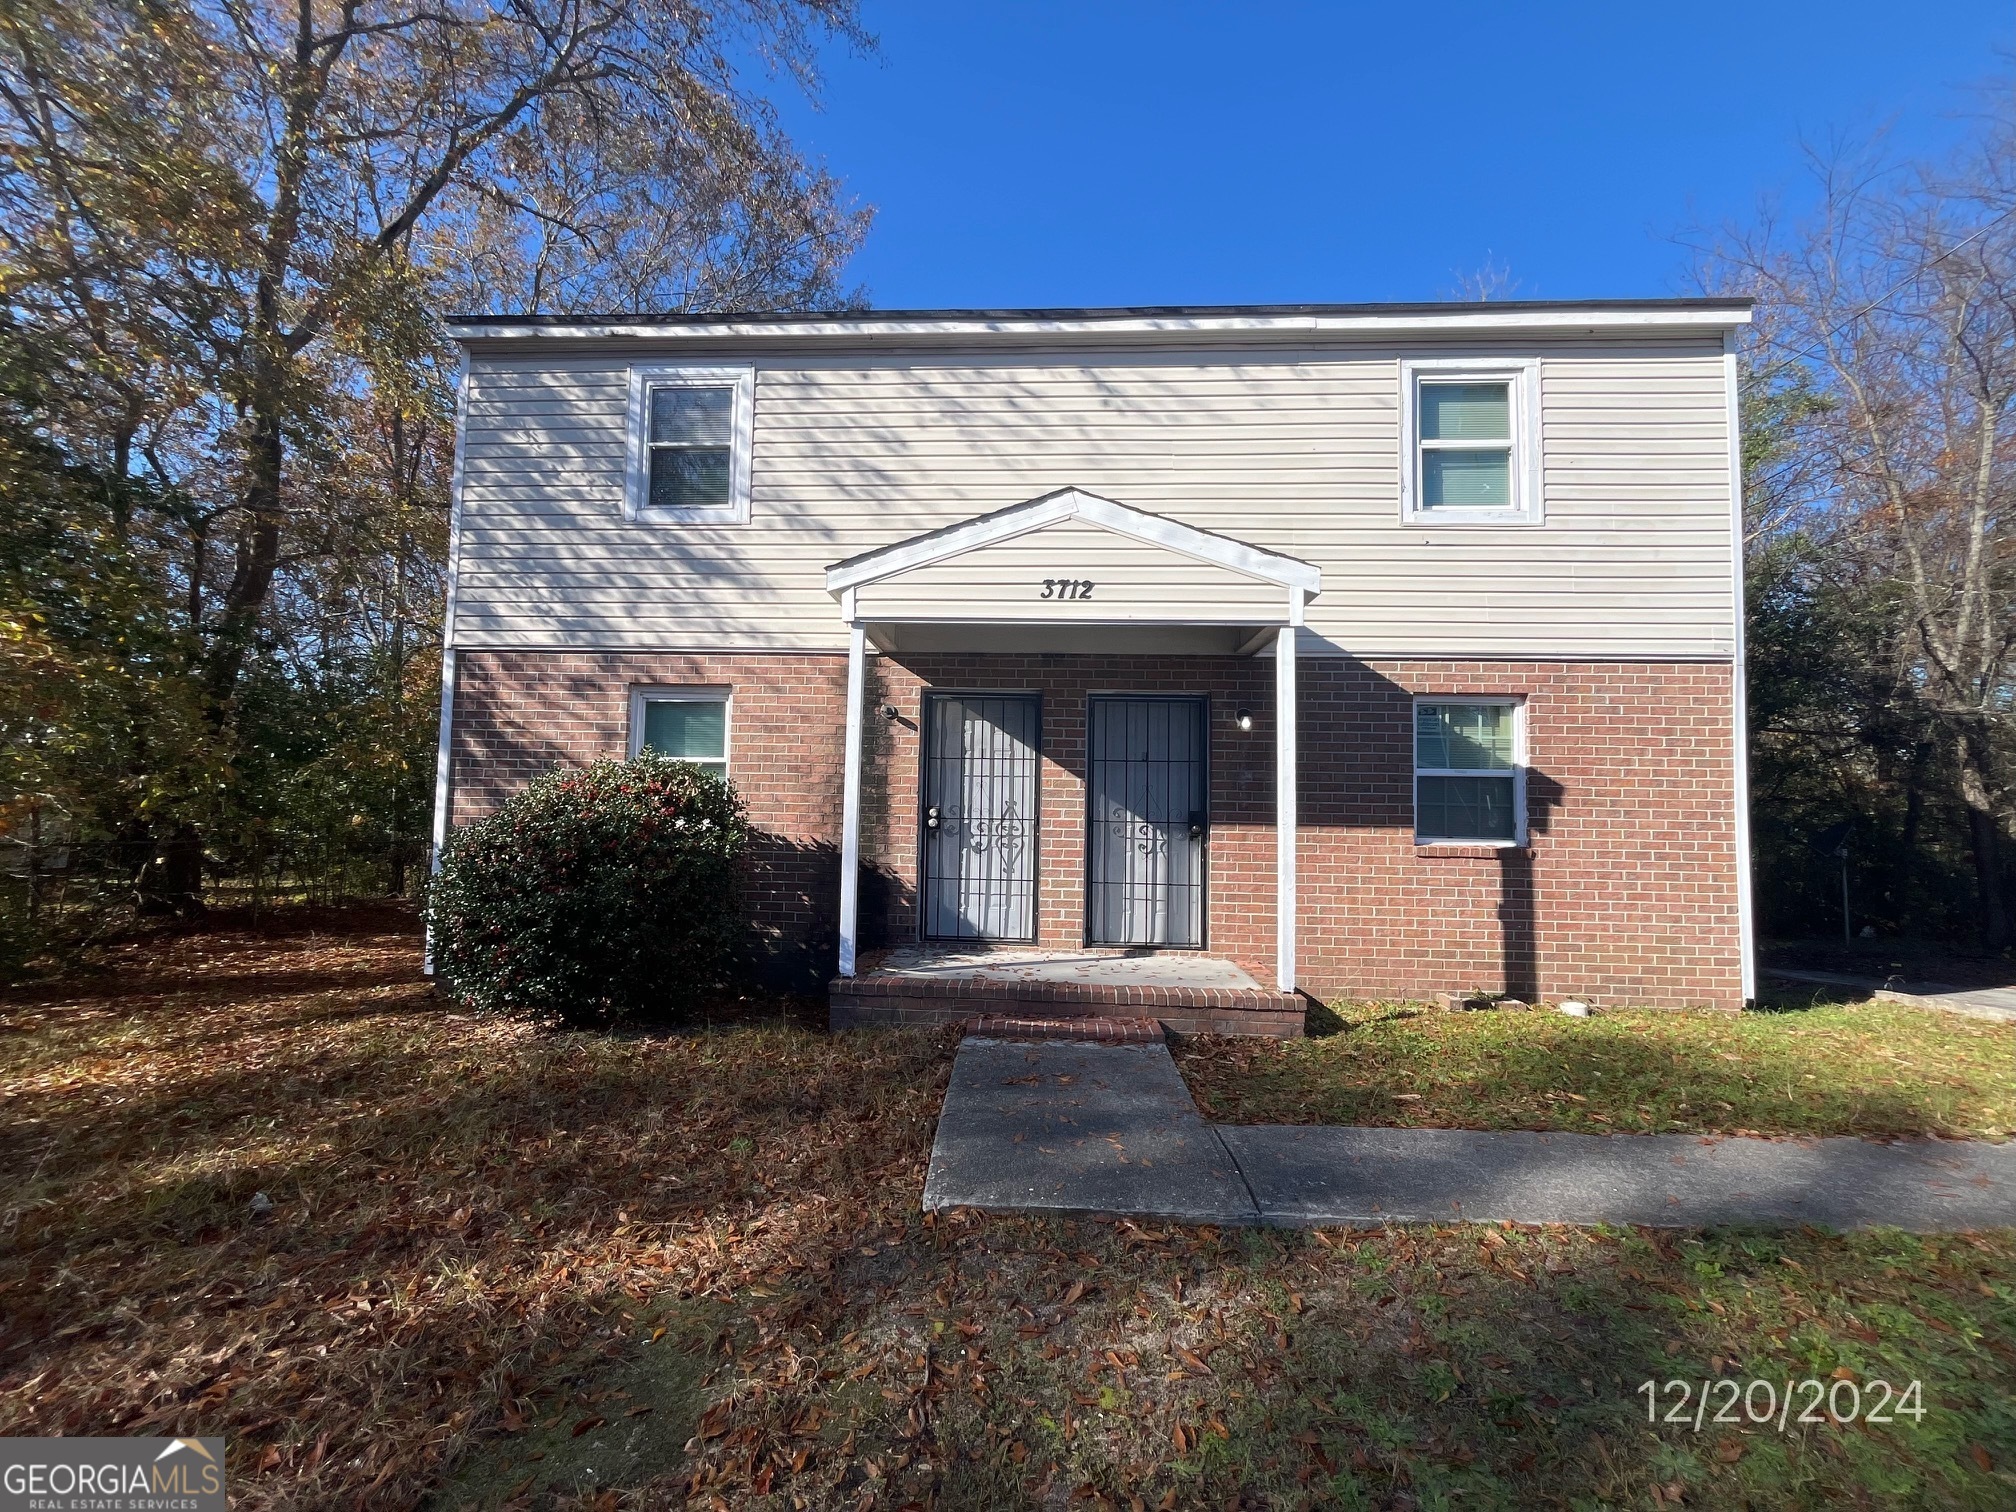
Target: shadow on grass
630,1423
1404,1368
1804,999
1323,1020
478,1228
459,1208
1418,1368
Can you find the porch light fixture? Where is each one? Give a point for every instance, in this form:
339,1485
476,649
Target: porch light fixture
1244,719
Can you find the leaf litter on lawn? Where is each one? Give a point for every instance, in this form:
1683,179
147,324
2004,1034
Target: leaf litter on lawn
689,1269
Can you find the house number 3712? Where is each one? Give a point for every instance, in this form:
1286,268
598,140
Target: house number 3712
1066,588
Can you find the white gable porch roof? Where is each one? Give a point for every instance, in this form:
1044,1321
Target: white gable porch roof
1153,570
996,575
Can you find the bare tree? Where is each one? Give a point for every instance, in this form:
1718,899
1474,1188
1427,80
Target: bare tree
1886,358
1490,280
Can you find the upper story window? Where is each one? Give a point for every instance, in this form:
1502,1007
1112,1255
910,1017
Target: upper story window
1469,772
688,724
689,445
1472,438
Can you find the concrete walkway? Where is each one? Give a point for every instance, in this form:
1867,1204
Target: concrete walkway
1077,1128
1998,1003
1068,1127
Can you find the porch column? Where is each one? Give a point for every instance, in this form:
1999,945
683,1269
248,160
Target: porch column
850,799
1284,808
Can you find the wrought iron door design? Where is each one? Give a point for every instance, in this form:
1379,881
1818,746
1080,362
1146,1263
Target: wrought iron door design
1146,828
980,816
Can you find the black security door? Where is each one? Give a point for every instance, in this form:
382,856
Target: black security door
980,816
1145,832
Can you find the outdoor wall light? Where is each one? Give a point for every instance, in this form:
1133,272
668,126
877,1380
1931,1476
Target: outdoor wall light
1243,719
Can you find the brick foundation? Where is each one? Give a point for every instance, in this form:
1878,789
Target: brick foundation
1627,891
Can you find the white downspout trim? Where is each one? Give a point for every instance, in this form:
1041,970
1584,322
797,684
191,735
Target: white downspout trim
1746,924
1284,808
850,799
446,734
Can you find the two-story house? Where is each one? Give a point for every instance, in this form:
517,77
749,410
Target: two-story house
1375,650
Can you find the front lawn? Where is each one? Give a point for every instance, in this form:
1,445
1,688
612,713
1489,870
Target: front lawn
1870,1068
505,1267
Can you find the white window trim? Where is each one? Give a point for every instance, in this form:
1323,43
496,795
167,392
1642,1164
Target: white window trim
1523,374
637,487
1518,773
685,693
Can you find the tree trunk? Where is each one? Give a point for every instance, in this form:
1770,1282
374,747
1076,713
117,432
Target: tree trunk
1984,836
1907,889
171,883
258,552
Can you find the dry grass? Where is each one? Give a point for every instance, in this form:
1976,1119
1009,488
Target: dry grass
504,1267
1807,1067
460,1206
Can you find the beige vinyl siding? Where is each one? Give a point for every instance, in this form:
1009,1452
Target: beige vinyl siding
1296,451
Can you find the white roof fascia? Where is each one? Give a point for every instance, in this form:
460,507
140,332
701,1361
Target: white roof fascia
1073,503
1483,319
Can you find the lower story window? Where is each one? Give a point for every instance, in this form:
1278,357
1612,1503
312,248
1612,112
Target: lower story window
688,724
1468,778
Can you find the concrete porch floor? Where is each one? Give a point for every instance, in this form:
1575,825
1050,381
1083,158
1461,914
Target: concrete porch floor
1108,967
1187,991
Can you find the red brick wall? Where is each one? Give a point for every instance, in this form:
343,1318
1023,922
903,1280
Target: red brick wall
1626,893
1239,890
521,713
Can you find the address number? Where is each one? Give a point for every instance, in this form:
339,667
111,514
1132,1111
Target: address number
1066,588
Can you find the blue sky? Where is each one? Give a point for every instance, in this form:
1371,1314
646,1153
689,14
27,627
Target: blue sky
1119,153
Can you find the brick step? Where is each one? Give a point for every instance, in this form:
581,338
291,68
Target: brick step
864,1002
1102,1029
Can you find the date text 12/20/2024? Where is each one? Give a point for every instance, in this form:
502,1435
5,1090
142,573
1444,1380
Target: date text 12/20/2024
1758,1403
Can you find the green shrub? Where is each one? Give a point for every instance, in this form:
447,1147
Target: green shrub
597,895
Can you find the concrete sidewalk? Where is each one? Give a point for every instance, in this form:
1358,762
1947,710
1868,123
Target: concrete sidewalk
1078,1128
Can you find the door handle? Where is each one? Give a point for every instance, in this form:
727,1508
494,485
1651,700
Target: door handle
932,818
1196,826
